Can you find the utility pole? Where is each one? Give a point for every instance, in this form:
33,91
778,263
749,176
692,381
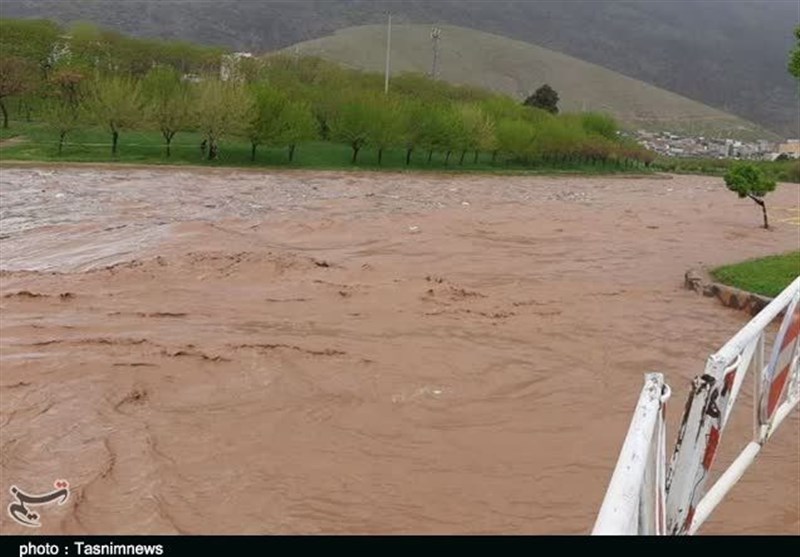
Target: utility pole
388,52
435,34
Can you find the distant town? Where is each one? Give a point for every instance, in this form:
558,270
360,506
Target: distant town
672,145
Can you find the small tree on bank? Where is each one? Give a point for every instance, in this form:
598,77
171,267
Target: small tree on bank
478,130
65,107
385,125
16,77
62,118
116,102
297,124
264,125
352,125
167,102
747,180
221,109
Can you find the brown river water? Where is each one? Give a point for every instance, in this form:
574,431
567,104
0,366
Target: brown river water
220,351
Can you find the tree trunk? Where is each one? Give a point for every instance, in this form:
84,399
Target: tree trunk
114,140
253,146
408,156
763,209
355,154
380,155
463,154
494,156
430,156
291,152
61,137
475,159
212,149
447,158
5,113
168,140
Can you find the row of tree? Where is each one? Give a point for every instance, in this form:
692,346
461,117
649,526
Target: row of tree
107,80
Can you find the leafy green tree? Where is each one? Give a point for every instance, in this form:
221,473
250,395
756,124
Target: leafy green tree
412,113
132,56
514,137
545,97
68,84
65,103
478,131
88,46
221,109
747,180
500,107
487,137
794,60
297,124
276,120
61,118
117,103
248,70
16,77
385,125
438,130
167,102
264,123
187,58
454,137
352,125
599,124
559,140
422,88
32,39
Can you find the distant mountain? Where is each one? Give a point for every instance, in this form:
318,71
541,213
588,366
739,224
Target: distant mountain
493,62
730,54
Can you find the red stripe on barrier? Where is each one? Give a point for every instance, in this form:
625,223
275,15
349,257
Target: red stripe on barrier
729,377
776,390
711,448
689,517
794,330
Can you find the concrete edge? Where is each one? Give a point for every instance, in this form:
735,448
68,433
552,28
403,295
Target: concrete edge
698,280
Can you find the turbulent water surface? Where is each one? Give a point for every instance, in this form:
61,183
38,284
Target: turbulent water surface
240,352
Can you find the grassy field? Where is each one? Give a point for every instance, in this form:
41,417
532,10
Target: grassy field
782,171
518,68
8,133
767,276
94,145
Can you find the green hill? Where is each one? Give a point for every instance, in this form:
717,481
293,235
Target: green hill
471,57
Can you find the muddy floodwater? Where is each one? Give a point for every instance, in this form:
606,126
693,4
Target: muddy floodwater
220,351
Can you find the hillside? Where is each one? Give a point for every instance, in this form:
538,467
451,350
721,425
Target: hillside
476,58
727,54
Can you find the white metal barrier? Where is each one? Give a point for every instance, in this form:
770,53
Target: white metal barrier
641,498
